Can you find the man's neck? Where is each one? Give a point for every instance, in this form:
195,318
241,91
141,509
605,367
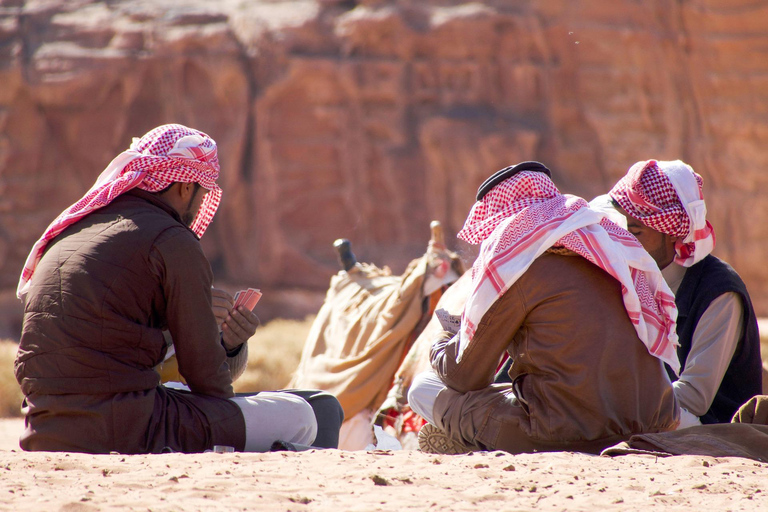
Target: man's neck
673,274
156,200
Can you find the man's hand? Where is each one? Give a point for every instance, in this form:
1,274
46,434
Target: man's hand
222,304
237,325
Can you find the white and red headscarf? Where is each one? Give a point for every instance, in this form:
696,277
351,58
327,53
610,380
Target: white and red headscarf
667,197
525,215
168,154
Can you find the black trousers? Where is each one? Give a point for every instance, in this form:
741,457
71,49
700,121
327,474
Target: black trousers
502,376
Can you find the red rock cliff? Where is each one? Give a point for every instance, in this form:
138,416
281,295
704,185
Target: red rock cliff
368,119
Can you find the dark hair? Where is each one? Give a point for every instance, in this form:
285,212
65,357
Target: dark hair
163,191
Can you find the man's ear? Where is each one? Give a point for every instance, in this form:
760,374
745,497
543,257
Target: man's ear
185,190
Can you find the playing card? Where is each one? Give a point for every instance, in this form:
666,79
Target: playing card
253,299
449,322
248,298
240,298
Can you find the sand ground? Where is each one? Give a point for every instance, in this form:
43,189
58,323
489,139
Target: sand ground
337,481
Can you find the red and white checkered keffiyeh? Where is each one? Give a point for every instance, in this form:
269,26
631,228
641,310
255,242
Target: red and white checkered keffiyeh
168,154
525,215
667,197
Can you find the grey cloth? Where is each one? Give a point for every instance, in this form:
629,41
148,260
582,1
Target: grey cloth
716,440
746,436
328,413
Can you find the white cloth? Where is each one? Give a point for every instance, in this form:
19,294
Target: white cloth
687,419
683,179
604,204
271,416
384,441
423,393
356,433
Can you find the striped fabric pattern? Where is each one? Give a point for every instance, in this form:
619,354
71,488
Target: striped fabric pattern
667,197
165,155
524,216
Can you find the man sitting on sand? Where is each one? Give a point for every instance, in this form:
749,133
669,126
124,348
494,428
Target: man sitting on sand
108,279
581,309
719,342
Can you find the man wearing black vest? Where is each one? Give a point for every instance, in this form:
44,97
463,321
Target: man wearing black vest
719,342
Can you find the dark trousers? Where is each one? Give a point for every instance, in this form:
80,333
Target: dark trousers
502,376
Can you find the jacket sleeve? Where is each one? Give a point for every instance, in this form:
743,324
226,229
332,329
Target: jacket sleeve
475,368
186,279
238,362
714,342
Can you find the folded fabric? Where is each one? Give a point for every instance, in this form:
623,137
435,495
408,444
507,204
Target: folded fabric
754,411
746,436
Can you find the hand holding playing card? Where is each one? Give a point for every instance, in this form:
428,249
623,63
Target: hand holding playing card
449,322
241,322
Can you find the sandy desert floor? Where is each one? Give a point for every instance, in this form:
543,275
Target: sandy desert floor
377,480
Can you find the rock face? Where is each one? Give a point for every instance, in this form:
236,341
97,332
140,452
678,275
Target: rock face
368,119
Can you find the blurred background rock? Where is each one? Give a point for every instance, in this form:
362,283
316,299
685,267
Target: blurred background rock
367,119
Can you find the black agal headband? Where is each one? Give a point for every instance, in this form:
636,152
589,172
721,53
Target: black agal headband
507,172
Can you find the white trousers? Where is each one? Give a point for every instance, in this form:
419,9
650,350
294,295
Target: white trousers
423,393
688,419
271,416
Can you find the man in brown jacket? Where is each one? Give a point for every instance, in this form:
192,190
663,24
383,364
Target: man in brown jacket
579,307
112,282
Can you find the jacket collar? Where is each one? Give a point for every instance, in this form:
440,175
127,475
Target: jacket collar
156,201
